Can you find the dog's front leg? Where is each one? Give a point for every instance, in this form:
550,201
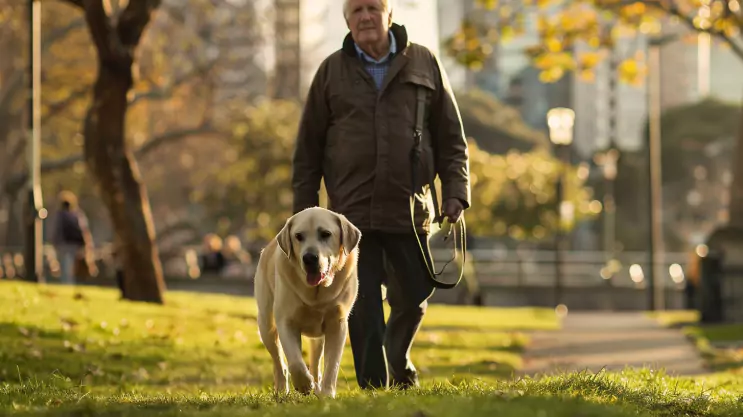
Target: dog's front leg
291,342
335,340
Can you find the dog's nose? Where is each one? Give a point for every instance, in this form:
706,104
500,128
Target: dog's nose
310,259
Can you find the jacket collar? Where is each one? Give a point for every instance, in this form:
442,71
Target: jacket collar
398,31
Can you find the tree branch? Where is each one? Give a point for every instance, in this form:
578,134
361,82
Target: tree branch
673,10
103,34
76,3
60,33
166,91
670,8
61,105
172,136
15,82
134,19
16,181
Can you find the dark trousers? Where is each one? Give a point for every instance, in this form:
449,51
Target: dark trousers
381,352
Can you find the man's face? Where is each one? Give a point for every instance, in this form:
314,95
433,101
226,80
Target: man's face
367,20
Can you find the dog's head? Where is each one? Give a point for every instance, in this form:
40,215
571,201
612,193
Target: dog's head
318,241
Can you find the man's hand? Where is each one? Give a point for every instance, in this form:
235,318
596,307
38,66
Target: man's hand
452,209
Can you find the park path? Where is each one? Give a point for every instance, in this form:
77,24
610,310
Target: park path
595,340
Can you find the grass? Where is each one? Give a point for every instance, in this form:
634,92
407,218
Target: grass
719,344
84,352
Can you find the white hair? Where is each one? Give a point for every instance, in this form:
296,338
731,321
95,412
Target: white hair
386,6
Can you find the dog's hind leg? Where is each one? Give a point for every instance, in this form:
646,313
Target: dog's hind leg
317,347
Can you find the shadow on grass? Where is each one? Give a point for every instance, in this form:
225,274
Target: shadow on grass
32,352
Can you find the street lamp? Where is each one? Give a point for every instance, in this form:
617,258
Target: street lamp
560,121
35,212
656,297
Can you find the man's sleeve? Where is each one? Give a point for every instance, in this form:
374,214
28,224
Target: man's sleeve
310,146
452,153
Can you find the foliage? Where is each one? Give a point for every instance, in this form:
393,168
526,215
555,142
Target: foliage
253,192
688,129
200,355
515,194
576,35
496,126
173,100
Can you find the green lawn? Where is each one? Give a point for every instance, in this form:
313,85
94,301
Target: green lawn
84,352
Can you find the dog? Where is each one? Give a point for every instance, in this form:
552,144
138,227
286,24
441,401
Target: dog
306,284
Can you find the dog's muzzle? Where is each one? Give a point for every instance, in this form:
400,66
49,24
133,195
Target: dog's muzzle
311,262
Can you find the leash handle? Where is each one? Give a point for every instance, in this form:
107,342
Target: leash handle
415,155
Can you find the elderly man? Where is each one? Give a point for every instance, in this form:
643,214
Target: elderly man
357,132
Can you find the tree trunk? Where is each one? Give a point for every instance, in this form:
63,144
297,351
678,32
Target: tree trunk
112,164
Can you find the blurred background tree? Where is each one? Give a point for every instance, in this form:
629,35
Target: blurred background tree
577,35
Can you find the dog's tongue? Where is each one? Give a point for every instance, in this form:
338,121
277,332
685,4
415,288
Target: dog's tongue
314,278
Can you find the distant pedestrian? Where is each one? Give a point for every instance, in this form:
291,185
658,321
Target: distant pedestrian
71,238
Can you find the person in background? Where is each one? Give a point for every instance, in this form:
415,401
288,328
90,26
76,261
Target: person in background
236,258
70,236
693,277
211,260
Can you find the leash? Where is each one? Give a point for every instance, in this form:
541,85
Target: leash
415,156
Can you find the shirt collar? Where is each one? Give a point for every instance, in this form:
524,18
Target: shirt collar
393,49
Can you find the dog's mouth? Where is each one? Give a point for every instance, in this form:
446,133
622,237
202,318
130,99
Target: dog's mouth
315,278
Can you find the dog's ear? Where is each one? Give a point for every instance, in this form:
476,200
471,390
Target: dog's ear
350,234
284,239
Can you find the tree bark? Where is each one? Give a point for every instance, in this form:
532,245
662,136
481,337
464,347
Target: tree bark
107,154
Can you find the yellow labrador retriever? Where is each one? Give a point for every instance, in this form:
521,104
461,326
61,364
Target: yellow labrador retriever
305,285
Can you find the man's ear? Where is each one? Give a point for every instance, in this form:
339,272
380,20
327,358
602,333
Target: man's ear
284,239
350,234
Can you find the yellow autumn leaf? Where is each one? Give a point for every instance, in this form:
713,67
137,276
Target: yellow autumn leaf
587,75
488,4
631,71
554,45
589,60
507,33
551,75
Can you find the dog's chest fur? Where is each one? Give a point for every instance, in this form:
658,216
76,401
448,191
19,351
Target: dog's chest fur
311,320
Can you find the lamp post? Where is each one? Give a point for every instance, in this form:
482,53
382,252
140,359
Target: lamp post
35,212
656,296
560,121
608,162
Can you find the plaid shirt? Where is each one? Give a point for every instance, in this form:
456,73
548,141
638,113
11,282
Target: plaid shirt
378,69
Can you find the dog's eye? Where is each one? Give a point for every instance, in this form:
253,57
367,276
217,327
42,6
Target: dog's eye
299,237
324,234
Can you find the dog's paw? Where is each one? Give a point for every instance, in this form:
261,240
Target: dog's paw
303,382
326,392
281,385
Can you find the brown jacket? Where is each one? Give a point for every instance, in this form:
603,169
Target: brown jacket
359,139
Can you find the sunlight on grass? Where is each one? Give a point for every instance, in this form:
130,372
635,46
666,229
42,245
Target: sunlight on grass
84,352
